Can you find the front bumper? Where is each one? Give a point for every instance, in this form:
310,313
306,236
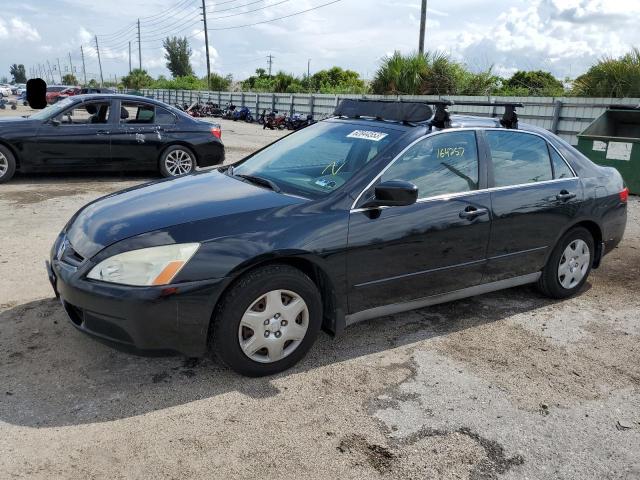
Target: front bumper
144,320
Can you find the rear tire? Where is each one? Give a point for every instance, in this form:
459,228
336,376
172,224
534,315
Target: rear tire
7,164
177,160
569,265
267,321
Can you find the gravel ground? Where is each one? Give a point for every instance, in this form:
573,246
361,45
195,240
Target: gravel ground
509,385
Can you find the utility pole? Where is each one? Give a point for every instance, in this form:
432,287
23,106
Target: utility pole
423,26
139,47
84,70
270,57
70,64
59,71
129,57
308,68
99,62
50,72
206,43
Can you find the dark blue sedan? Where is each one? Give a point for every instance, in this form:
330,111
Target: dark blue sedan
383,208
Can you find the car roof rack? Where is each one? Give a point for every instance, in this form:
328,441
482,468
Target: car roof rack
420,111
390,110
509,117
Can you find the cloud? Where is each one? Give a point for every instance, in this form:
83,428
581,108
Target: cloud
18,30
563,36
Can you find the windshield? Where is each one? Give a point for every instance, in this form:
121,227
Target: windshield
318,159
52,110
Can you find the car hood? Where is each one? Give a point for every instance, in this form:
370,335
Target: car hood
163,204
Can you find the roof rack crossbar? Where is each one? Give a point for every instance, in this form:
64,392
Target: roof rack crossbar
509,117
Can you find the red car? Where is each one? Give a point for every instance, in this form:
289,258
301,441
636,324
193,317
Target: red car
56,93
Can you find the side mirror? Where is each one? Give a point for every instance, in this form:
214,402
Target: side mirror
394,193
55,122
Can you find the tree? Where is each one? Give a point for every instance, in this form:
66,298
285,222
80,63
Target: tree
429,73
611,77
18,73
137,79
219,83
177,53
533,83
69,79
335,80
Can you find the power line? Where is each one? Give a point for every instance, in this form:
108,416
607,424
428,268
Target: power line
236,7
270,20
177,6
250,11
159,25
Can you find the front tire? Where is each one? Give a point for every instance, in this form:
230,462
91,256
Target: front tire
176,161
7,164
267,321
569,265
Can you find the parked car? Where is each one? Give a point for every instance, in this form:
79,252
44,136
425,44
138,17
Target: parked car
5,90
86,90
17,87
82,133
376,211
53,91
67,92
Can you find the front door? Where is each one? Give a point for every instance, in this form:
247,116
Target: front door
437,245
535,196
79,137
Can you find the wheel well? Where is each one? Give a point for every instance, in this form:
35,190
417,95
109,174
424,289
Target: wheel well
315,273
13,151
179,144
596,233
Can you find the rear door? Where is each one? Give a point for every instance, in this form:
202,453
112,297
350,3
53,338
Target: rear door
535,197
77,138
437,245
137,139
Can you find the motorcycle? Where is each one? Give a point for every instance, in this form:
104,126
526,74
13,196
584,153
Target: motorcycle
229,111
298,121
243,114
273,121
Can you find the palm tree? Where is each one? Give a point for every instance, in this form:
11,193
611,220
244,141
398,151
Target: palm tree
611,77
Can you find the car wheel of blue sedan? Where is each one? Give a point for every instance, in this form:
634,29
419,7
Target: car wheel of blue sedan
569,264
7,164
176,161
267,321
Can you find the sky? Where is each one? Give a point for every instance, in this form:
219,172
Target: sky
561,36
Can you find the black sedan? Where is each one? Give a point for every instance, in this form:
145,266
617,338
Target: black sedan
108,133
372,212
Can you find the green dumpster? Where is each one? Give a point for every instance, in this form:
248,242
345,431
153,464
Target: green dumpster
613,139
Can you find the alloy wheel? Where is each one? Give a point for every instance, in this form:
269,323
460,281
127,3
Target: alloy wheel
574,264
273,326
178,162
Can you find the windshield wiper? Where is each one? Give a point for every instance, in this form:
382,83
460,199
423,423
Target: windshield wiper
265,182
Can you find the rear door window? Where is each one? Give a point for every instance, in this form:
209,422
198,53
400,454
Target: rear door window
518,158
136,113
164,116
560,167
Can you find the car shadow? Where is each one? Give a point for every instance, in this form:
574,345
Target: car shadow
83,177
52,375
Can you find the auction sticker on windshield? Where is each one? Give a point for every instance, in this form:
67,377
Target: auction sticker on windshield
367,135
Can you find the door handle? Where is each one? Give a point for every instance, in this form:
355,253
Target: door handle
564,195
471,213
102,132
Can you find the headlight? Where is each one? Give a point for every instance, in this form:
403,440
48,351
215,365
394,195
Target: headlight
145,267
